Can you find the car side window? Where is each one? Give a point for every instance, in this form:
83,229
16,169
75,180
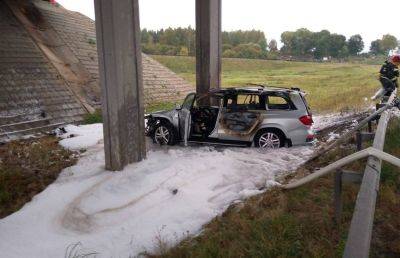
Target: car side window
277,103
246,101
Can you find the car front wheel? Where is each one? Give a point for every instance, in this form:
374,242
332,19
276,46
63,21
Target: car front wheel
164,134
269,139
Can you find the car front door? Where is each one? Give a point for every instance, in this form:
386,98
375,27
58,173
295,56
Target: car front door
185,117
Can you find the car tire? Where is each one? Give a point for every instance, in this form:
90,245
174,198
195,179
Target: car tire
164,134
269,139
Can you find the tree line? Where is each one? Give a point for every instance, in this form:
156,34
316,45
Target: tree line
301,43
182,41
306,43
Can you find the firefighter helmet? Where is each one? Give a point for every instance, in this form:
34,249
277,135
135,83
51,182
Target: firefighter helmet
396,59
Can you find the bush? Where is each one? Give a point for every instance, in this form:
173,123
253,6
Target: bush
184,51
93,118
229,53
161,49
272,55
226,47
251,51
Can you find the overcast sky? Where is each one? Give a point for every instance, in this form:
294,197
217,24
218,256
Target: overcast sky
371,19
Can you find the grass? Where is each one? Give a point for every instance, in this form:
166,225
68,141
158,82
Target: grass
96,117
299,222
93,118
27,167
159,106
331,86
386,240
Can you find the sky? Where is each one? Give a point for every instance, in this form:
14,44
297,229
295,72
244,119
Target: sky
371,19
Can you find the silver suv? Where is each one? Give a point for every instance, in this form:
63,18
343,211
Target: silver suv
268,117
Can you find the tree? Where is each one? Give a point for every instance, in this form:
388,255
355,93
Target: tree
321,43
337,46
238,37
169,37
388,42
273,45
287,38
145,36
355,44
263,45
376,47
303,44
297,43
384,45
344,51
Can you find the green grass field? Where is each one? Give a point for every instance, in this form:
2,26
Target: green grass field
332,87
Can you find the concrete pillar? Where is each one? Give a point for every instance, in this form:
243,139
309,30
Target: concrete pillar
208,45
120,68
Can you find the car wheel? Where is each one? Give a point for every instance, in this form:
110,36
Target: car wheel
269,139
164,134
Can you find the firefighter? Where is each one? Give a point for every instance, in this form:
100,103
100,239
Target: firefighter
388,76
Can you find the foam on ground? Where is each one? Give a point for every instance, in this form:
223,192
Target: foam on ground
171,194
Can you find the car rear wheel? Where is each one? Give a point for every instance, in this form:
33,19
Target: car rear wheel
269,139
164,134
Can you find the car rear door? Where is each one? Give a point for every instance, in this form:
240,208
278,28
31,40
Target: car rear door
240,117
283,113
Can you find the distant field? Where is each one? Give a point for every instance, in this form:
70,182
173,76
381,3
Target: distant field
332,87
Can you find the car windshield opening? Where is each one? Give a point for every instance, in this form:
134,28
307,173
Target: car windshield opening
188,102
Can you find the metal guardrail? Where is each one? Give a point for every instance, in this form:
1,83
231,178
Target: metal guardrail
360,233
359,237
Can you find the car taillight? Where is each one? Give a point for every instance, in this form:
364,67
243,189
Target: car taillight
306,120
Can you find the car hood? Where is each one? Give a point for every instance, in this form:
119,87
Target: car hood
164,113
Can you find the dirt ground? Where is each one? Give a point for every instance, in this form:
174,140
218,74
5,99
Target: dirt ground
27,167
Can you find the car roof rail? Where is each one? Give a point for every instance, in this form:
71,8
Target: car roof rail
256,84
277,87
268,86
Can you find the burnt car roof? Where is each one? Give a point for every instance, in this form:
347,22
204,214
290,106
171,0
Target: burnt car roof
252,90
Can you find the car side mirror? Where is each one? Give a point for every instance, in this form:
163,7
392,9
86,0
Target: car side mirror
178,106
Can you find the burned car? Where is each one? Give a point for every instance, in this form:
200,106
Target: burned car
264,117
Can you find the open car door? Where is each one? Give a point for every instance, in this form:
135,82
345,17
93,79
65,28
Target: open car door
185,117
240,116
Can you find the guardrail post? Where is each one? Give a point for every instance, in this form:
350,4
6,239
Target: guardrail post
370,126
337,196
359,140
